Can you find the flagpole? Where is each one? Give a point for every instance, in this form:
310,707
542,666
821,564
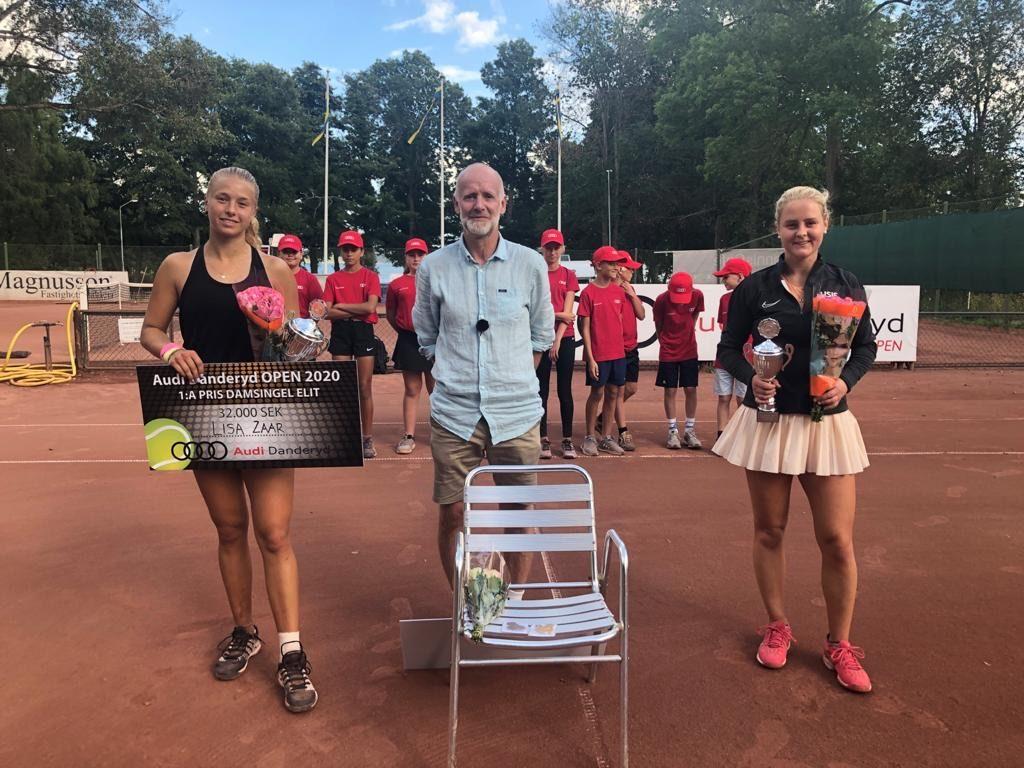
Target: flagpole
441,196
559,121
327,150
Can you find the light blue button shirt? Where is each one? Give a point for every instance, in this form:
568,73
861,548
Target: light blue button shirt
487,375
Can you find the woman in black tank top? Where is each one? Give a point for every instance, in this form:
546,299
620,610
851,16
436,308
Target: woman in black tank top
201,286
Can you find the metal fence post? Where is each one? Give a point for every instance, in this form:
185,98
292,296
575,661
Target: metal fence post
7,264
99,258
885,216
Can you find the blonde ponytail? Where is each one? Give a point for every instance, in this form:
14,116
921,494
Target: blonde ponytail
252,234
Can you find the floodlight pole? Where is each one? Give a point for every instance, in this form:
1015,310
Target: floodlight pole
120,227
608,173
558,122
327,152
441,154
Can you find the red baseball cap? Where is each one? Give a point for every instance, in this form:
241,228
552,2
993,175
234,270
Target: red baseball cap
551,236
291,242
629,263
350,237
680,288
415,244
734,266
607,253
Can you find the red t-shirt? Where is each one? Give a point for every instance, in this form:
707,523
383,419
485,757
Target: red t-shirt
629,339
401,297
605,307
723,316
677,338
563,282
309,289
353,288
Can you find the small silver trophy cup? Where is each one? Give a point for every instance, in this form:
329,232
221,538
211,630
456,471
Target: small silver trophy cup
303,339
768,359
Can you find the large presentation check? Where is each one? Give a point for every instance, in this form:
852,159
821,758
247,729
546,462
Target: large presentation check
252,415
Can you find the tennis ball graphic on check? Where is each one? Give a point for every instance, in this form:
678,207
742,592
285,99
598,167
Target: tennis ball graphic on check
161,437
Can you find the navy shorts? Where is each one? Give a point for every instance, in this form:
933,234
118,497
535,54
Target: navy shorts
674,375
608,372
633,365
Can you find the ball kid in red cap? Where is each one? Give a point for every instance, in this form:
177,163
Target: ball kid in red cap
675,318
289,248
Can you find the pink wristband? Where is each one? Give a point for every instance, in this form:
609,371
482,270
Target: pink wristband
168,349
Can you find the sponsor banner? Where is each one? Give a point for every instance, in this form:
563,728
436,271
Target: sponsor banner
252,415
29,285
894,315
129,329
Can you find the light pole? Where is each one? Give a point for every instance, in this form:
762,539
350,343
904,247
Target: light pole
120,227
608,173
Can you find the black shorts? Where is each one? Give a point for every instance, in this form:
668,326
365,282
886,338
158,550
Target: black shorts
407,355
352,338
609,372
633,365
681,374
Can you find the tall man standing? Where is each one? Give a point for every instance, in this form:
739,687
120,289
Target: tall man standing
483,313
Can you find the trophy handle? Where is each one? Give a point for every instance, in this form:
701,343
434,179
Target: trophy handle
748,353
789,356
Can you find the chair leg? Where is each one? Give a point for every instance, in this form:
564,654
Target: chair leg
453,702
592,676
624,699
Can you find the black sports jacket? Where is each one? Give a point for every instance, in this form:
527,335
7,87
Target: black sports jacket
763,295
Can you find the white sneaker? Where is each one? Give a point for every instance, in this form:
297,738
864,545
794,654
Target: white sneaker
673,439
589,446
690,440
610,445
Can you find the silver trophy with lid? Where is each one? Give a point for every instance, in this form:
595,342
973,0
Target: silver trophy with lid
301,338
769,359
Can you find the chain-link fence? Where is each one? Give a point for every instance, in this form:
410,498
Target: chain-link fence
970,339
140,261
109,338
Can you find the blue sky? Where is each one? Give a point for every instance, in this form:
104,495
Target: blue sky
458,35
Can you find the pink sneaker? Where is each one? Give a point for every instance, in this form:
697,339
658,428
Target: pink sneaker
844,659
778,636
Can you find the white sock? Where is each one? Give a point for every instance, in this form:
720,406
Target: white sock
287,642
673,424
516,594
690,423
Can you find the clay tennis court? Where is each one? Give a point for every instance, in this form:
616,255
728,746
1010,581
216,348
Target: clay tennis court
112,605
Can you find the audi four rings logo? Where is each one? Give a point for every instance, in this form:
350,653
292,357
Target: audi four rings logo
214,451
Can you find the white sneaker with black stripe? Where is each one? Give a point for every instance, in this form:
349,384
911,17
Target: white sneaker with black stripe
236,650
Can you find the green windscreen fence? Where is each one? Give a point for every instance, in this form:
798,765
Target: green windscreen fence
981,252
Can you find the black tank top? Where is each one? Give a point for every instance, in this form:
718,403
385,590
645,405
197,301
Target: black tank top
211,322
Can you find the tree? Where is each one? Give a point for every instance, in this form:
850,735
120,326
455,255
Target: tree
510,131
56,39
394,189
961,69
49,193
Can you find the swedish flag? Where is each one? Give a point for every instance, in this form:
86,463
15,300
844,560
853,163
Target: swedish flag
430,109
327,111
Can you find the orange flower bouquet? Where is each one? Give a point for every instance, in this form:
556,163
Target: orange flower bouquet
835,323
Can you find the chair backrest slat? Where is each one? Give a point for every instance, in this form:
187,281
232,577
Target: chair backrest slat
532,518
527,494
527,542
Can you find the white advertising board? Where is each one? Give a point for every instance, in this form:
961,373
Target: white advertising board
894,314
30,285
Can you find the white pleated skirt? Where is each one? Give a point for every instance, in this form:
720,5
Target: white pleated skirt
794,445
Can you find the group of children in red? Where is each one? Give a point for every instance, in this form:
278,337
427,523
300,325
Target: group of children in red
608,312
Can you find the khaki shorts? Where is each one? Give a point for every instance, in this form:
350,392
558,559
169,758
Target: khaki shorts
454,458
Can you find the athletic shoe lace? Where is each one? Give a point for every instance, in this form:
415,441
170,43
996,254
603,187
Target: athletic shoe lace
776,636
846,657
296,671
235,645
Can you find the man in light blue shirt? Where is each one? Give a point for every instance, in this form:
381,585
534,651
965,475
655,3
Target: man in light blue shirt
483,314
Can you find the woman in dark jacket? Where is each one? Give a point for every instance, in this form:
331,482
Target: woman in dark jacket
825,455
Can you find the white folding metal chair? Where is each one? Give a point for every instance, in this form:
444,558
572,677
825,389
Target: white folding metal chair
582,619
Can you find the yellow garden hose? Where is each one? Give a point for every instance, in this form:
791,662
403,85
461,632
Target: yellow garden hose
36,374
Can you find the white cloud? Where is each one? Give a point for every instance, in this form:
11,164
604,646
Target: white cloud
440,17
458,74
397,53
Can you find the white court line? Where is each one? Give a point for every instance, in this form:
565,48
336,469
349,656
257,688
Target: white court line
424,459
861,419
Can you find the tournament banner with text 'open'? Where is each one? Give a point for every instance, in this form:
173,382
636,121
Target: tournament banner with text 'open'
252,416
